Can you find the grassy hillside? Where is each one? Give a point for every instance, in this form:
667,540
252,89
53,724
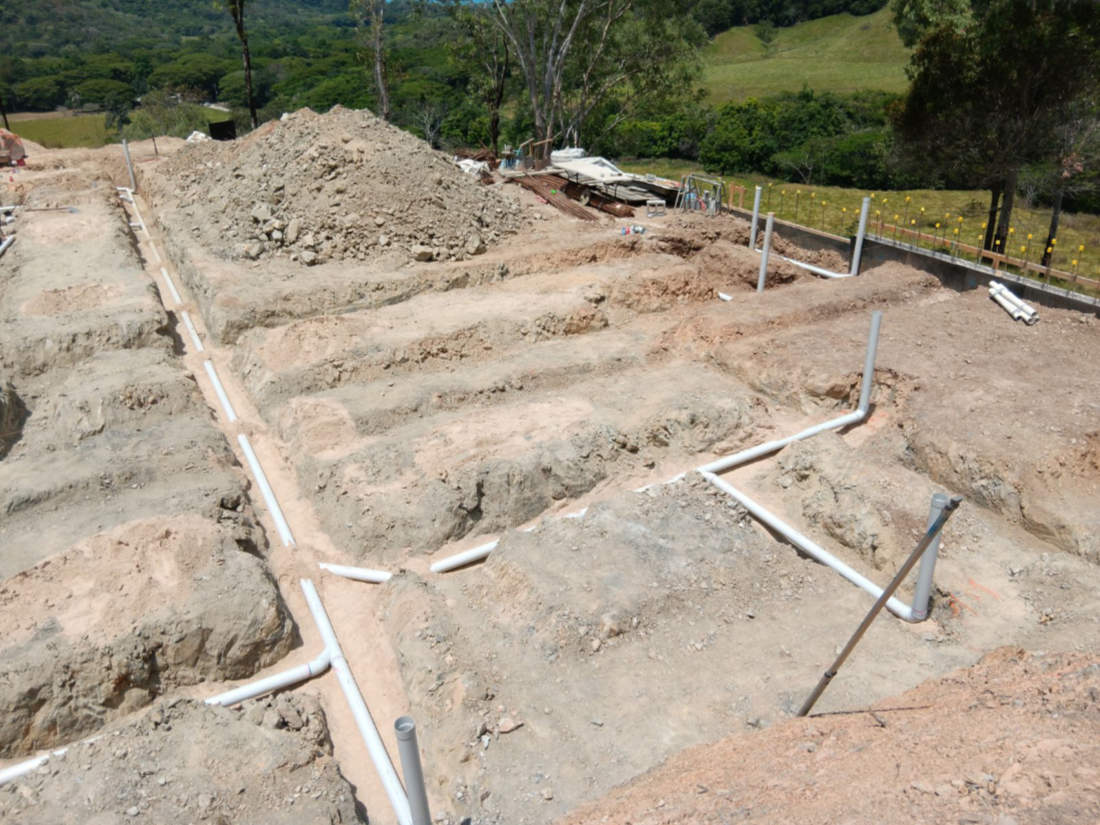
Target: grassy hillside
841,53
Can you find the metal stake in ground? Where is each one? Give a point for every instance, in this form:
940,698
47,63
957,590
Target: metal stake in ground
930,536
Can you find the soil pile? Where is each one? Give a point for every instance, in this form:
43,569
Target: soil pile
343,185
1011,740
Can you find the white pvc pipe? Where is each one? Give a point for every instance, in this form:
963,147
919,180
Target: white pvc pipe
817,270
187,322
7,242
23,768
894,605
766,251
272,683
363,574
171,286
230,413
755,217
265,488
458,560
720,465
857,253
129,165
922,592
367,729
1022,309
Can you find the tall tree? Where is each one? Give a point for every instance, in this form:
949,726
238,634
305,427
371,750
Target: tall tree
370,16
990,86
576,55
236,10
486,50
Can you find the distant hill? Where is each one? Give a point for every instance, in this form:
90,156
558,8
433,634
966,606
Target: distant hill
52,28
840,53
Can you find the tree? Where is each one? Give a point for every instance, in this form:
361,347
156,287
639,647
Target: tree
236,10
576,55
990,85
372,12
486,50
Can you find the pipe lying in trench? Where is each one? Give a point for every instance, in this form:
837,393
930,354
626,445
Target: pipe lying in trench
464,558
19,769
265,489
7,242
194,333
171,286
720,465
332,656
857,254
219,390
362,574
916,612
396,793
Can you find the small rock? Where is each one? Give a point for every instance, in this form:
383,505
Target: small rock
253,250
293,230
422,253
475,245
610,625
308,257
132,811
547,794
379,221
261,212
595,644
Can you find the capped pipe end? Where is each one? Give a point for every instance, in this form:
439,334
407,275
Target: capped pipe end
405,728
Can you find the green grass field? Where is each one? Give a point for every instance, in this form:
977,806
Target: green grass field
64,132
840,53
836,210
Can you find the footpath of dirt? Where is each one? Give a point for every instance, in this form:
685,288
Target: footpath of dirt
1013,739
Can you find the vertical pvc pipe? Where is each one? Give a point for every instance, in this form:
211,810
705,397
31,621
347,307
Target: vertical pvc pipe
129,165
767,248
869,363
923,590
858,253
755,217
405,728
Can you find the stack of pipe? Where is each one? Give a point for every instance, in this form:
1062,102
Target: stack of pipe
1015,307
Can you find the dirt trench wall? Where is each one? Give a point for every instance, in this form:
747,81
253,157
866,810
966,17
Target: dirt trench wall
129,615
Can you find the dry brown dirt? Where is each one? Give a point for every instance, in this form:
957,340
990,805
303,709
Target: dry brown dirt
405,410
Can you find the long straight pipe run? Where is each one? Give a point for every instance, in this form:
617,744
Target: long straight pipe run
769,225
219,390
367,729
171,286
194,333
857,253
265,489
755,217
817,270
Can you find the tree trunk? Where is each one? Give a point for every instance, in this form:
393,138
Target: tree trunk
1001,242
4,113
1055,216
991,221
377,10
248,78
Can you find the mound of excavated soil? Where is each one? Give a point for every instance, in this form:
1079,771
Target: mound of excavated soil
1011,741
331,187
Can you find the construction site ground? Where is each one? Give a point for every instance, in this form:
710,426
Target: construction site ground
621,656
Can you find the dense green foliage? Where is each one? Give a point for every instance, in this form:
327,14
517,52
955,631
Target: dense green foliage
719,15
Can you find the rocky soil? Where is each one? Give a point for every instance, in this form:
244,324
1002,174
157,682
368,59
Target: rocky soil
345,185
406,409
269,762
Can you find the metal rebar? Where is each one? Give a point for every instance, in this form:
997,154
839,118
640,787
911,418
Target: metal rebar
929,536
